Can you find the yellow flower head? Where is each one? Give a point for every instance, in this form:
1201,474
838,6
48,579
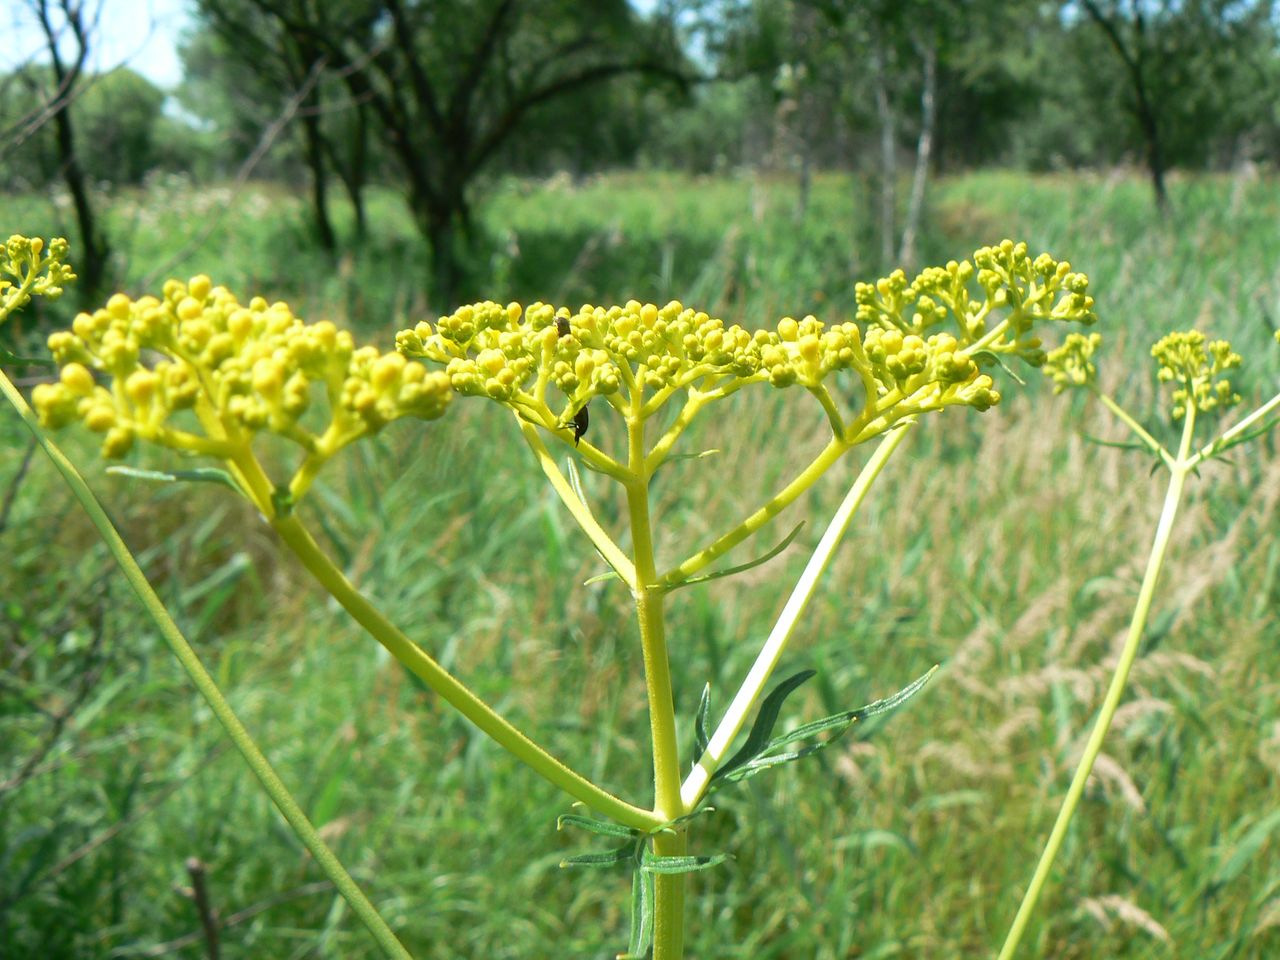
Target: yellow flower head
1196,368
904,354
239,368
1071,365
27,270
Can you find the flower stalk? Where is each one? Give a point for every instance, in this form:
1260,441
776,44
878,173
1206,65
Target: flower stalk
1197,370
916,346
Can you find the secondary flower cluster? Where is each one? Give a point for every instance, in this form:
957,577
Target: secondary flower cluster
33,272
1015,287
240,368
512,355
1197,368
1071,365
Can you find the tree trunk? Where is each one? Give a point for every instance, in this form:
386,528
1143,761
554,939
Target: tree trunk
313,151
924,152
92,262
1154,150
888,158
440,229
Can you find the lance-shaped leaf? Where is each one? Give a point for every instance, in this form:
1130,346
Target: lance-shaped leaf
603,828
607,858
701,735
8,357
835,725
651,863
762,729
1120,444
641,937
196,475
742,567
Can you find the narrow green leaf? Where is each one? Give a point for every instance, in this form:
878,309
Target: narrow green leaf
575,484
701,455
1119,444
1246,849
8,357
701,735
651,863
743,567
758,738
1245,437
896,700
606,859
603,828
641,917
196,475
988,357
767,756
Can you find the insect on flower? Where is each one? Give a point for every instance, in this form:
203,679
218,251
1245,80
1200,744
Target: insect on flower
581,420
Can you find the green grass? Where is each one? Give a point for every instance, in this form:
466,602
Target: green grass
1004,546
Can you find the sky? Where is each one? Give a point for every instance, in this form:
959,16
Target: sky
142,34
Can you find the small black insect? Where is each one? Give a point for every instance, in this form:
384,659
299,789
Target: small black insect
562,326
581,421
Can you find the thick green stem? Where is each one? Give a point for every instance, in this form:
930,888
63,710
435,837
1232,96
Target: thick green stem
511,739
208,689
668,926
1173,496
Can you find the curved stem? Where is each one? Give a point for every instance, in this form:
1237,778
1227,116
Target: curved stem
695,785
830,409
662,449
1173,496
451,689
600,539
208,689
1138,429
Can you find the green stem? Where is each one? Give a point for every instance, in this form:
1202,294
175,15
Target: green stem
1208,449
695,785
668,926
600,539
1179,470
208,689
782,499
458,695
1138,429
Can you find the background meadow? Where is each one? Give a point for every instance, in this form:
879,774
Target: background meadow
1006,547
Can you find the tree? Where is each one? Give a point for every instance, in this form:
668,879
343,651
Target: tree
1191,70
452,86
66,77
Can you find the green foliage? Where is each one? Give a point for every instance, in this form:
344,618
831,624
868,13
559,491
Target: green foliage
427,811
118,120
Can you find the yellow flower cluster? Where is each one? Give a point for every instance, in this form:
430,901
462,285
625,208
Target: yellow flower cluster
34,273
240,368
513,355
1015,287
1071,365
1197,368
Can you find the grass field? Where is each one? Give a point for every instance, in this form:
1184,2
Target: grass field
1005,547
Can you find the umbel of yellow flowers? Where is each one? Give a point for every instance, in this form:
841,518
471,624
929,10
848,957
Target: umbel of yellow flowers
241,368
915,346
1193,365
